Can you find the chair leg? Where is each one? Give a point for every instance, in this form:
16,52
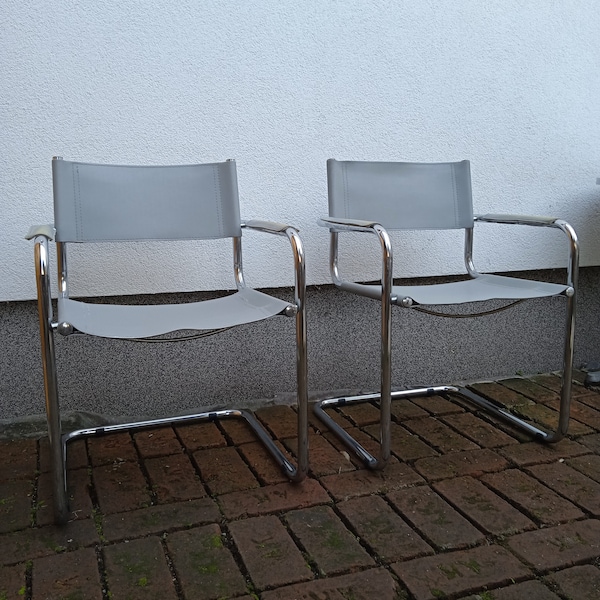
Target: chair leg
495,410
370,461
302,390
57,446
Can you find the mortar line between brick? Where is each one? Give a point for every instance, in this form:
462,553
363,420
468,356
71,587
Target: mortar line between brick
171,567
104,589
142,466
193,462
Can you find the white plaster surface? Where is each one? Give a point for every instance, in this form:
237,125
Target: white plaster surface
512,85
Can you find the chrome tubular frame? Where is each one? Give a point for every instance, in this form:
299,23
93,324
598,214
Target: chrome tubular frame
385,395
58,457
59,441
299,311
569,336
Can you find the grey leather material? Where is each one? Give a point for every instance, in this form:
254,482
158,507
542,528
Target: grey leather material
128,321
342,224
94,203
516,219
268,226
45,230
479,289
400,195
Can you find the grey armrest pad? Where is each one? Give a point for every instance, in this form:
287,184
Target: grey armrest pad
342,222
268,226
516,219
45,230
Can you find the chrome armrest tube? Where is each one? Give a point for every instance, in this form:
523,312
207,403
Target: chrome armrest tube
534,221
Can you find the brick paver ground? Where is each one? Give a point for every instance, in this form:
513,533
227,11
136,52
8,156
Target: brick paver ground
466,509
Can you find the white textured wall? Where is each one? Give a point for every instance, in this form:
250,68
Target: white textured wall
513,85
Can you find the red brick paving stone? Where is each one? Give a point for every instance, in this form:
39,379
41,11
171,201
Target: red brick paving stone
328,543
473,462
77,457
15,505
224,471
579,489
114,447
238,430
435,519
326,458
269,553
490,512
157,442
546,417
380,527
361,414
479,431
138,570
201,435
80,502
462,572
12,582
530,389
205,567
580,414
532,590
592,400
440,436
273,498
588,465
436,405
71,575
335,415
43,541
366,585
281,420
578,582
592,442
499,393
534,498
262,463
403,409
156,519
19,459
405,445
174,479
120,487
548,380
364,482
532,453
559,547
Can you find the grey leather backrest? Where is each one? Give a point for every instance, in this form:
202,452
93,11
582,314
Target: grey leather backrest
401,195
94,202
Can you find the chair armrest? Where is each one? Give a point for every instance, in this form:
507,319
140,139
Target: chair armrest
299,261
539,221
47,231
268,226
573,265
342,224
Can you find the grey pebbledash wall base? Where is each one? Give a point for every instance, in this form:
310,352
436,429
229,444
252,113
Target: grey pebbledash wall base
109,380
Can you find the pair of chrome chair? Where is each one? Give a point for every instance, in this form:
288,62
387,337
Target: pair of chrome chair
108,203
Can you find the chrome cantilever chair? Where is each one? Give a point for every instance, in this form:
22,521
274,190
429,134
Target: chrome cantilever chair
377,197
110,203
